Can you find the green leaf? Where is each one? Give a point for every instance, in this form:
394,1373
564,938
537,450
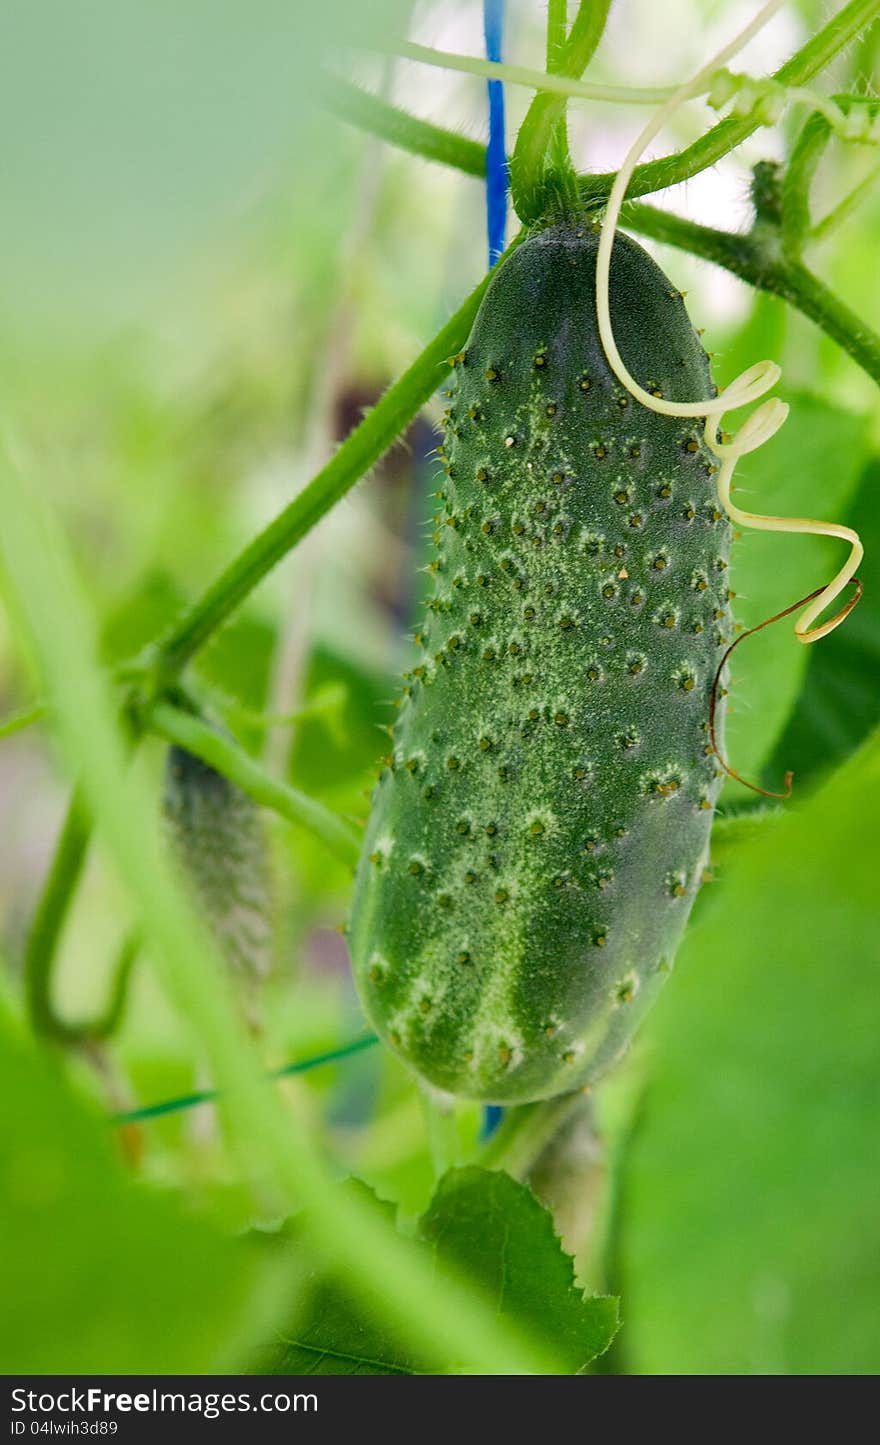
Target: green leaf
838,704
146,611
327,758
483,1226
738,830
331,1334
238,664
751,1180
101,1274
493,1230
810,470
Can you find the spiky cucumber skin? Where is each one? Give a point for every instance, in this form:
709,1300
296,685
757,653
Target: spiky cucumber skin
218,838
538,836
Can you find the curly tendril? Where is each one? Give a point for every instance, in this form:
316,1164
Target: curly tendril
716,688
750,386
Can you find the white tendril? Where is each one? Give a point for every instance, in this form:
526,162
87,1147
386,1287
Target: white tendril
750,386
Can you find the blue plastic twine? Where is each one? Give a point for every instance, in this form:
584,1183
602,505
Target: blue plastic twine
492,1116
496,153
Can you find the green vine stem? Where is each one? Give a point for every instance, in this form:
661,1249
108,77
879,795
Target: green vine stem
797,180
226,757
41,946
433,142
840,31
52,908
360,450
106,1024
570,1178
756,260
22,719
558,157
525,1132
543,128
408,132
738,254
657,175
50,914
441,1127
557,31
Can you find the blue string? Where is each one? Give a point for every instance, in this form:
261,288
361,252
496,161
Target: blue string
207,1096
496,153
492,1116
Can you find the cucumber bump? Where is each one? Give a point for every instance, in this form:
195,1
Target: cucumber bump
539,833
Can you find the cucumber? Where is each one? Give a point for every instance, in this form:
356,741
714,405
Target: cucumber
539,833
217,833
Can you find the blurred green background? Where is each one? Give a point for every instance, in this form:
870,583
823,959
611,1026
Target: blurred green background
205,279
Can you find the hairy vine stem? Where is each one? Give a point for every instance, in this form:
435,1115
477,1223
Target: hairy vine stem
657,175
358,107
542,135
813,56
767,269
745,255
556,152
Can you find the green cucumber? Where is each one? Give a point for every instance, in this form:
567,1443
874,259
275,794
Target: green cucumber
218,836
539,833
